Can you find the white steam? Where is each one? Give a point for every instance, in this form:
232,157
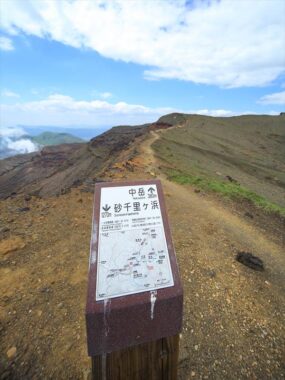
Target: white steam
12,132
23,146
14,140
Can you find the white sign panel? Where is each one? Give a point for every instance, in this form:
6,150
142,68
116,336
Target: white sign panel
132,250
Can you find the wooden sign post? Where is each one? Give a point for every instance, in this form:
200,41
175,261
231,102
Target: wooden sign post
135,298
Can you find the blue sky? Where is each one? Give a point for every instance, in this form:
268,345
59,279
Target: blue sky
96,64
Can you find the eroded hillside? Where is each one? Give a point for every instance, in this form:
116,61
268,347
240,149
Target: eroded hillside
56,169
233,316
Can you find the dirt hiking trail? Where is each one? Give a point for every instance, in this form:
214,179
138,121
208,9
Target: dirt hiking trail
233,316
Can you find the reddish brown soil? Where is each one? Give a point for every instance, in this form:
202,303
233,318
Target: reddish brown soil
233,316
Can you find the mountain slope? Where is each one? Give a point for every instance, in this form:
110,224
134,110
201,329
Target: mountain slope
232,315
55,169
247,150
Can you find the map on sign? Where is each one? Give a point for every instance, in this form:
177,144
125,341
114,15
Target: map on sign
132,250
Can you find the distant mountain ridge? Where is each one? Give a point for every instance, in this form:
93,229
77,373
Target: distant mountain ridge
53,138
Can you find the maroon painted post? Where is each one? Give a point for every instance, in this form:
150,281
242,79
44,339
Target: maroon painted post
135,299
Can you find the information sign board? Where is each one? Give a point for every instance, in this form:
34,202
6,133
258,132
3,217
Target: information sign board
132,251
134,290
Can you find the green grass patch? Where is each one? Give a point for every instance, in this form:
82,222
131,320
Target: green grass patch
228,189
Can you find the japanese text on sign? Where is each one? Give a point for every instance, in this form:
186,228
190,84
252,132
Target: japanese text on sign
132,251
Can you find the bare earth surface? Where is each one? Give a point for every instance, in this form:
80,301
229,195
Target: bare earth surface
233,316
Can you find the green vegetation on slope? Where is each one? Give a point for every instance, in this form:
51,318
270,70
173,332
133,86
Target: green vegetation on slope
52,138
230,189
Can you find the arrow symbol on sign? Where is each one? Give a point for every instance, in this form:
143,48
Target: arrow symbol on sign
151,190
106,208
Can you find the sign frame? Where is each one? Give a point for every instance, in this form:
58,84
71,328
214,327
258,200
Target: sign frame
116,323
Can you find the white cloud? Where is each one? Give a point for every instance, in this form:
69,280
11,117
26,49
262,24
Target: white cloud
106,95
63,110
6,44
218,113
275,98
225,43
9,94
